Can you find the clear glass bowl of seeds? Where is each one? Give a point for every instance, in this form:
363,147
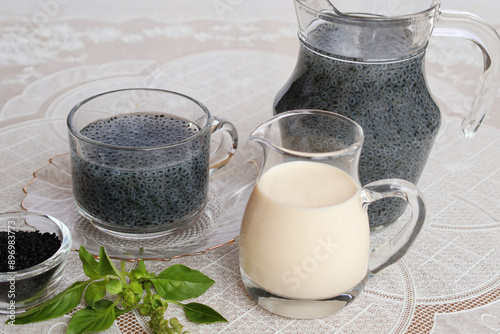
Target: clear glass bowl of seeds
33,253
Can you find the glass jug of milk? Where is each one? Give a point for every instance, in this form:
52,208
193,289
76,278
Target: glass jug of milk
305,235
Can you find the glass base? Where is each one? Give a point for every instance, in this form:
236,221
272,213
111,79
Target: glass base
300,308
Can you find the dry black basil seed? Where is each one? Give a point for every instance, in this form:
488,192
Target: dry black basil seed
30,249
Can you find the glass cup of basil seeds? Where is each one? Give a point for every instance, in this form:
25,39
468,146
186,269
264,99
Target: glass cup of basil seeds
34,249
141,159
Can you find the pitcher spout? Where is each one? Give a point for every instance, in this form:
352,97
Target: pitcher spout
304,134
263,135
279,134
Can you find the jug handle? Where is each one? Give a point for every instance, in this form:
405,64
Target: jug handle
398,245
454,23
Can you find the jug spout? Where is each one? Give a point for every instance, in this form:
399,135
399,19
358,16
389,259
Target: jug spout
263,134
280,134
311,135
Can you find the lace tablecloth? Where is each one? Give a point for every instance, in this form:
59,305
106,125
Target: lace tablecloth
234,56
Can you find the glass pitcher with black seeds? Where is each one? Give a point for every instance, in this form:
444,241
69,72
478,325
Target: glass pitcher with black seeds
365,59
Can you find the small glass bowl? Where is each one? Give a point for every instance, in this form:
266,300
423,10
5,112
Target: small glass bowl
26,288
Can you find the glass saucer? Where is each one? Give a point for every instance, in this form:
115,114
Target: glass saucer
219,224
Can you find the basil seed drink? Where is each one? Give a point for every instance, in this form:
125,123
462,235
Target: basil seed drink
146,189
388,98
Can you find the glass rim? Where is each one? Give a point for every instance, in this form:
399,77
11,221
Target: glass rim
74,132
353,148
54,260
435,4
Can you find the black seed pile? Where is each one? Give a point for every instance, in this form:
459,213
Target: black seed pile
31,248
141,190
391,102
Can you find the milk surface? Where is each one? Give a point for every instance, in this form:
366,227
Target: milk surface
304,234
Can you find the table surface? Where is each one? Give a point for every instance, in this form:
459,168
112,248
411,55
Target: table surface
234,55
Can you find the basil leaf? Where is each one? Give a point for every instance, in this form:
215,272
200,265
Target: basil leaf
140,271
119,312
106,266
114,286
99,318
136,288
95,292
176,326
90,265
102,305
179,282
202,314
54,307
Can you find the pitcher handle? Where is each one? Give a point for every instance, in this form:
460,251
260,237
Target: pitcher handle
224,152
397,246
454,23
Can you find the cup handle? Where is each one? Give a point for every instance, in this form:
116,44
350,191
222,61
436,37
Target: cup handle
227,146
454,23
396,247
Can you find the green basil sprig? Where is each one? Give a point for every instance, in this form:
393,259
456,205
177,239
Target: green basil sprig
131,290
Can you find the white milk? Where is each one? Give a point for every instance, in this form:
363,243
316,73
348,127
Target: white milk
304,234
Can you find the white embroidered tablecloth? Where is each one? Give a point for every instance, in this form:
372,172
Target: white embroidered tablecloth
234,55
